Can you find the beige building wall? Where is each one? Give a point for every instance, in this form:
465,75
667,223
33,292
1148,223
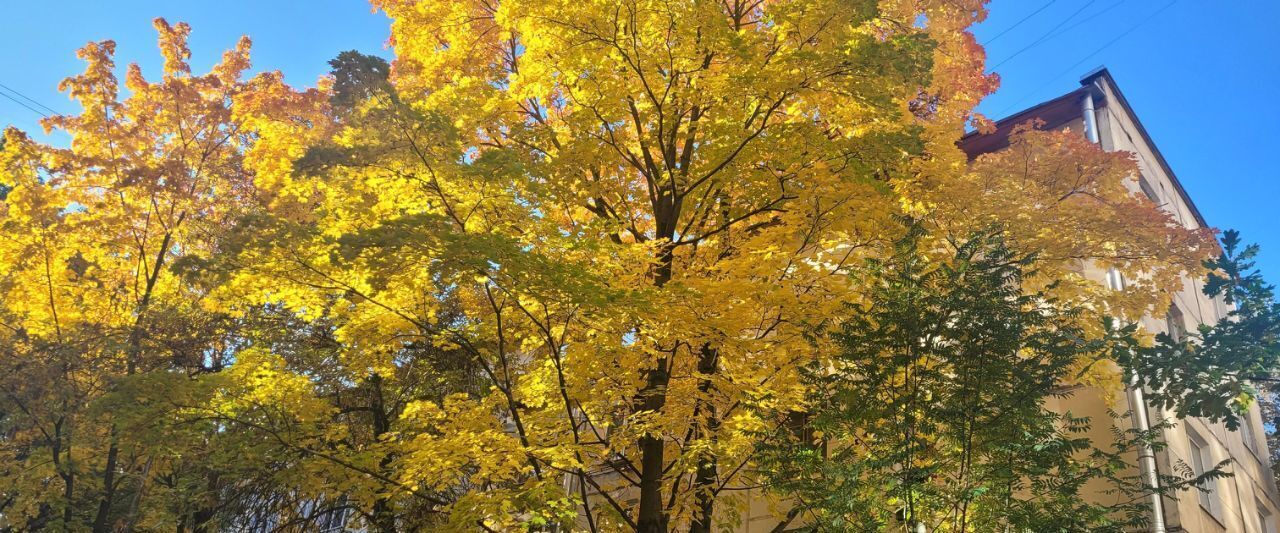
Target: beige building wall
1247,502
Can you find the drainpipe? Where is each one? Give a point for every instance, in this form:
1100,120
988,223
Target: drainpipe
1147,457
1090,117
1137,403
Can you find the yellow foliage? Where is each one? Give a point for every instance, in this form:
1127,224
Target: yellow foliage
587,240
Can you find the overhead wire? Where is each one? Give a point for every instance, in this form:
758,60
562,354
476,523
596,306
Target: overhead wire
1097,51
28,98
24,104
1082,21
1046,35
1019,23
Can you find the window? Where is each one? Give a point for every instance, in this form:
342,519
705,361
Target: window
1148,190
1266,522
1115,280
800,425
1246,433
1176,323
1201,461
334,521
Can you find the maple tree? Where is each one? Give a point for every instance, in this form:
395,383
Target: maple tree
630,256
556,264
90,305
1063,197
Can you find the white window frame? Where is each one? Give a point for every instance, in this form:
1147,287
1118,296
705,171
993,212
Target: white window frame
1247,434
1266,520
1115,279
1201,459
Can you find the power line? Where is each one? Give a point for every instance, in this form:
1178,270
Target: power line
1084,20
24,104
1046,35
28,98
1099,50
1018,23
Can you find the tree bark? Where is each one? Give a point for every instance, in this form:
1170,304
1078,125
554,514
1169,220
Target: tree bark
100,522
651,517
384,518
704,482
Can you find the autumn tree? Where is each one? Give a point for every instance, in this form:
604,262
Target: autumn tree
5,187
938,409
556,264
626,216
90,307
626,222
1064,198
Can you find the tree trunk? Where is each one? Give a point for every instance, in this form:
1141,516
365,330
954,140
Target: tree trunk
704,482
100,522
651,517
384,518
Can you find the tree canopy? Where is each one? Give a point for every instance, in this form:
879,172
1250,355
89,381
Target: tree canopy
558,264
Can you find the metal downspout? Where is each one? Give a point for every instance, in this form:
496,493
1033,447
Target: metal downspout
1137,403
1147,458
1090,118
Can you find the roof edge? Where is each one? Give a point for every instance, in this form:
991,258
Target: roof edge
1023,115
1101,73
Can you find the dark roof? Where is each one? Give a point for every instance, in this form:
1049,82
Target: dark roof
1055,113
1064,109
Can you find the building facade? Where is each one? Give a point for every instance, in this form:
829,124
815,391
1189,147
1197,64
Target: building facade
1246,502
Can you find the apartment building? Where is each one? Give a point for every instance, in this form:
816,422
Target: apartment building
1247,502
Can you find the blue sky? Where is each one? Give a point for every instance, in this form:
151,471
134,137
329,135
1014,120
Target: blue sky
1201,75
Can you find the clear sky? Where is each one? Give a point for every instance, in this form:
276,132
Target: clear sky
1201,75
